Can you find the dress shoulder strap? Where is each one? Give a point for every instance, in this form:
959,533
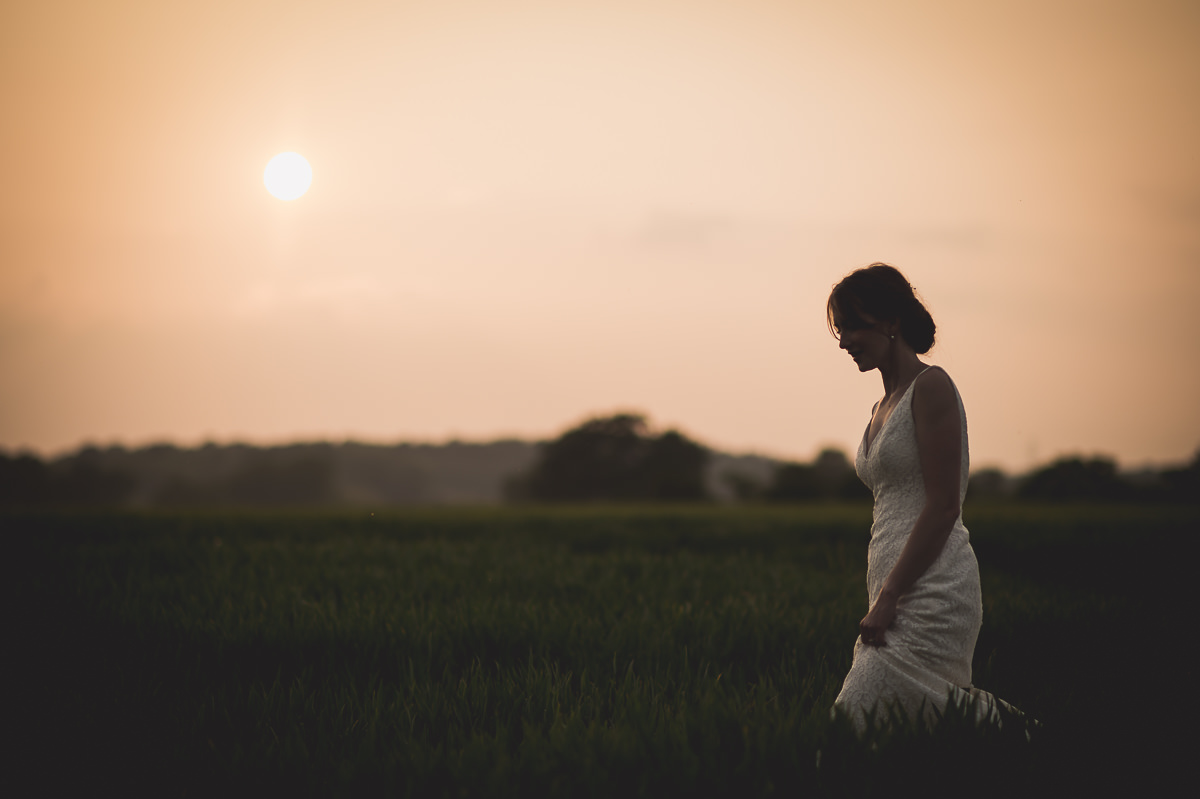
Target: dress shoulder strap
938,368
909,390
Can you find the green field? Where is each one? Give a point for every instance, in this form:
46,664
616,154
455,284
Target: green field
568,652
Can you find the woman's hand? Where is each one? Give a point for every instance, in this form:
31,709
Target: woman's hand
878,618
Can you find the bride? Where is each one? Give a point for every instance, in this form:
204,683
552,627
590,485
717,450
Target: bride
915,645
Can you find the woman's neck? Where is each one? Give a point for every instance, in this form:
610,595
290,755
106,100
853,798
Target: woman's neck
899,369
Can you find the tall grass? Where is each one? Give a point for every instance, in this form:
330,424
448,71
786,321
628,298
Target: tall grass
582,652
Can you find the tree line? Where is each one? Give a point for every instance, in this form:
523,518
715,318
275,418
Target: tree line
615,458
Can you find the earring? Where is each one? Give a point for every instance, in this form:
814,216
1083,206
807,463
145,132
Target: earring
892,336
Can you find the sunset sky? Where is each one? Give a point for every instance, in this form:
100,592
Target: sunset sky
526,213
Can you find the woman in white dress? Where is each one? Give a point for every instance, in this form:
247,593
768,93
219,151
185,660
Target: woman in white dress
915,644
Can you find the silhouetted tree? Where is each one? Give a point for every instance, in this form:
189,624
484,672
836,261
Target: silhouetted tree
615,459
829,477
1182,485
989,484
794,482
837,477
81,479
673,469
1076,479
24,480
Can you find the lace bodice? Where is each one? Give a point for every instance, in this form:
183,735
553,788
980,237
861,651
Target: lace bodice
891,467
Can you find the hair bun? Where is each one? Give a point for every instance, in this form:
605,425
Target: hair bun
881,292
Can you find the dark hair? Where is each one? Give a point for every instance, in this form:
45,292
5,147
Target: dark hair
880,291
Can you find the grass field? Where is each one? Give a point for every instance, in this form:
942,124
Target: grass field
568,652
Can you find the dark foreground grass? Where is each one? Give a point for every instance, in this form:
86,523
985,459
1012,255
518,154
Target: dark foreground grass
597,652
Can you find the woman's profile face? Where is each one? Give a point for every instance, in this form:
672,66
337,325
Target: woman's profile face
864,340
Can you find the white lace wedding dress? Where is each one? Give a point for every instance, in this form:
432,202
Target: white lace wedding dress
926,661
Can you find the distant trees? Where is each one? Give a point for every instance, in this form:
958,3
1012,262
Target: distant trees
1076,479
281,477
990,485
1181,485
302,475
78,481
1098,480
829,477
1071,479
615,459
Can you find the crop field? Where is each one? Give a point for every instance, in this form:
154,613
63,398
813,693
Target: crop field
571,652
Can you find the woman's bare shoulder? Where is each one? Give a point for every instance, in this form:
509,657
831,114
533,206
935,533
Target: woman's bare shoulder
933,390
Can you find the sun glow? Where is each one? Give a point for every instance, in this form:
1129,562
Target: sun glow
287,176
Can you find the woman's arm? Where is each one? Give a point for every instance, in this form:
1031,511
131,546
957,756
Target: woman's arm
939,444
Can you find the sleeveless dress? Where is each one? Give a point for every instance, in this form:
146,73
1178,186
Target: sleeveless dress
926,661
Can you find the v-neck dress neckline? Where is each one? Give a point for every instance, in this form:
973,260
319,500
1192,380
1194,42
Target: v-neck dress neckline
869,443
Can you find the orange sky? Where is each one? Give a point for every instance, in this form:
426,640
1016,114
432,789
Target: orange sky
523,213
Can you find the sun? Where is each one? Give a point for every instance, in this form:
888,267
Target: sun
287,176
